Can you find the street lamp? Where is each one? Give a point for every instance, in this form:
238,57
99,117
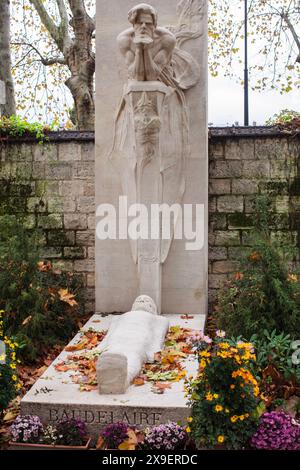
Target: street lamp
246,73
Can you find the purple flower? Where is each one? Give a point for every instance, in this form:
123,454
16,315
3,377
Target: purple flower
277,431
114,434
27,428
169,436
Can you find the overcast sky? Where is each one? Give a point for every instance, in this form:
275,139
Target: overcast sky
226,103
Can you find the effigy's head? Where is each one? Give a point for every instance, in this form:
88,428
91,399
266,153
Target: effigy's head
144,303
143,17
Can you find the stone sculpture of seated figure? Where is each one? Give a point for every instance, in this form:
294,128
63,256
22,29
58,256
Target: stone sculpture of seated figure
132,339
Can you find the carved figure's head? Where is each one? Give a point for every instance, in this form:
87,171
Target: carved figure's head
145,304
143,17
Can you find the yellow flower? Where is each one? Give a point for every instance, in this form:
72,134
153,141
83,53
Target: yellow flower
242,417
209,397
218,408
202,364
216,395
234,418
14,377
221,439
205,354
188,429
190,419
226,410
224,345
13,366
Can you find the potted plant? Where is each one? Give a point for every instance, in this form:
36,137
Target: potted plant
28,433
277,431
119,436
225,397
166,437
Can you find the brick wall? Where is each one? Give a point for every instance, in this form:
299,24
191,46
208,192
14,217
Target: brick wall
53,186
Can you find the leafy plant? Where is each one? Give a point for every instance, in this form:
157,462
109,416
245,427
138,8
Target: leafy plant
114,434
9,385
225,396
28,428
166,437
39,302
264,294
277,431
276,349
16,126
71,432
285,116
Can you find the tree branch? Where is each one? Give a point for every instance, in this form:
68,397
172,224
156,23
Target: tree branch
47,22
45,61
78,9
64,18
293,31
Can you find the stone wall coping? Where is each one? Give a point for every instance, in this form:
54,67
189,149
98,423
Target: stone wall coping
213,133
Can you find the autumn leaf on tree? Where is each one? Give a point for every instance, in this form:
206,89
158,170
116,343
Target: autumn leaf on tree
67,297
44,266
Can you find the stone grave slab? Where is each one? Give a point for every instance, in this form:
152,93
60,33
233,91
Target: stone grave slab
54,396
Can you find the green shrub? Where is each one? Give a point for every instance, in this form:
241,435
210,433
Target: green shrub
264,294
39,302
225,395
16,126
9,385
277,350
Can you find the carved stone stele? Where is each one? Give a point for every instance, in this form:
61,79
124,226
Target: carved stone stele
152,146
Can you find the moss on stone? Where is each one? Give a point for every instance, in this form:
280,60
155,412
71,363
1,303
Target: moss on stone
240,220
295,187
275,187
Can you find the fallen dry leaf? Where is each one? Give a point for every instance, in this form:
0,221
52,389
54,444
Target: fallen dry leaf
138,381
160,387
27,320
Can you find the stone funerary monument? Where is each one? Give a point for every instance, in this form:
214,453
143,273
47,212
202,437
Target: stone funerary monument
151,150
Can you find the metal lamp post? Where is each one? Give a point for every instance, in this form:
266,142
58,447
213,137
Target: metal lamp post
246,72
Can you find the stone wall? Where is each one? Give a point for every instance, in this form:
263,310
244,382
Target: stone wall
52,184
243,163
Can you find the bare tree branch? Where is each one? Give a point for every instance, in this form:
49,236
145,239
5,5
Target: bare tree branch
44,60
47,22
285,17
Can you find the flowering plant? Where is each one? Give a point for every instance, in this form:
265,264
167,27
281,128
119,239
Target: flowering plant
113,435
9,385
277,431
169,436
225,395
27,429
50,435
71,432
